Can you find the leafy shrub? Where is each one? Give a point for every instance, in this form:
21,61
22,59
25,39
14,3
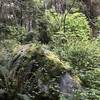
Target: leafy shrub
82,53
76,26
13,32
55,20
77,30
17,33
84,58
6,49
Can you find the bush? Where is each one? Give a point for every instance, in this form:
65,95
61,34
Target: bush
13,32
77,30
17,33
82,53
84,59
76,26
6,49
54,19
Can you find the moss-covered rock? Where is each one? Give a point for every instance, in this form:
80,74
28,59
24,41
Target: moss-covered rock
37,72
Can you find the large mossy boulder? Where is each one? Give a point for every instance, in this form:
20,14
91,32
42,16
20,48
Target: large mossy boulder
37,72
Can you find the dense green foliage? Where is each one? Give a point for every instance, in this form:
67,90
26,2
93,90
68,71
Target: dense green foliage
43,44
83,53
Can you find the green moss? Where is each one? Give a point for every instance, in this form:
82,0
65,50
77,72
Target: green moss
39,70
